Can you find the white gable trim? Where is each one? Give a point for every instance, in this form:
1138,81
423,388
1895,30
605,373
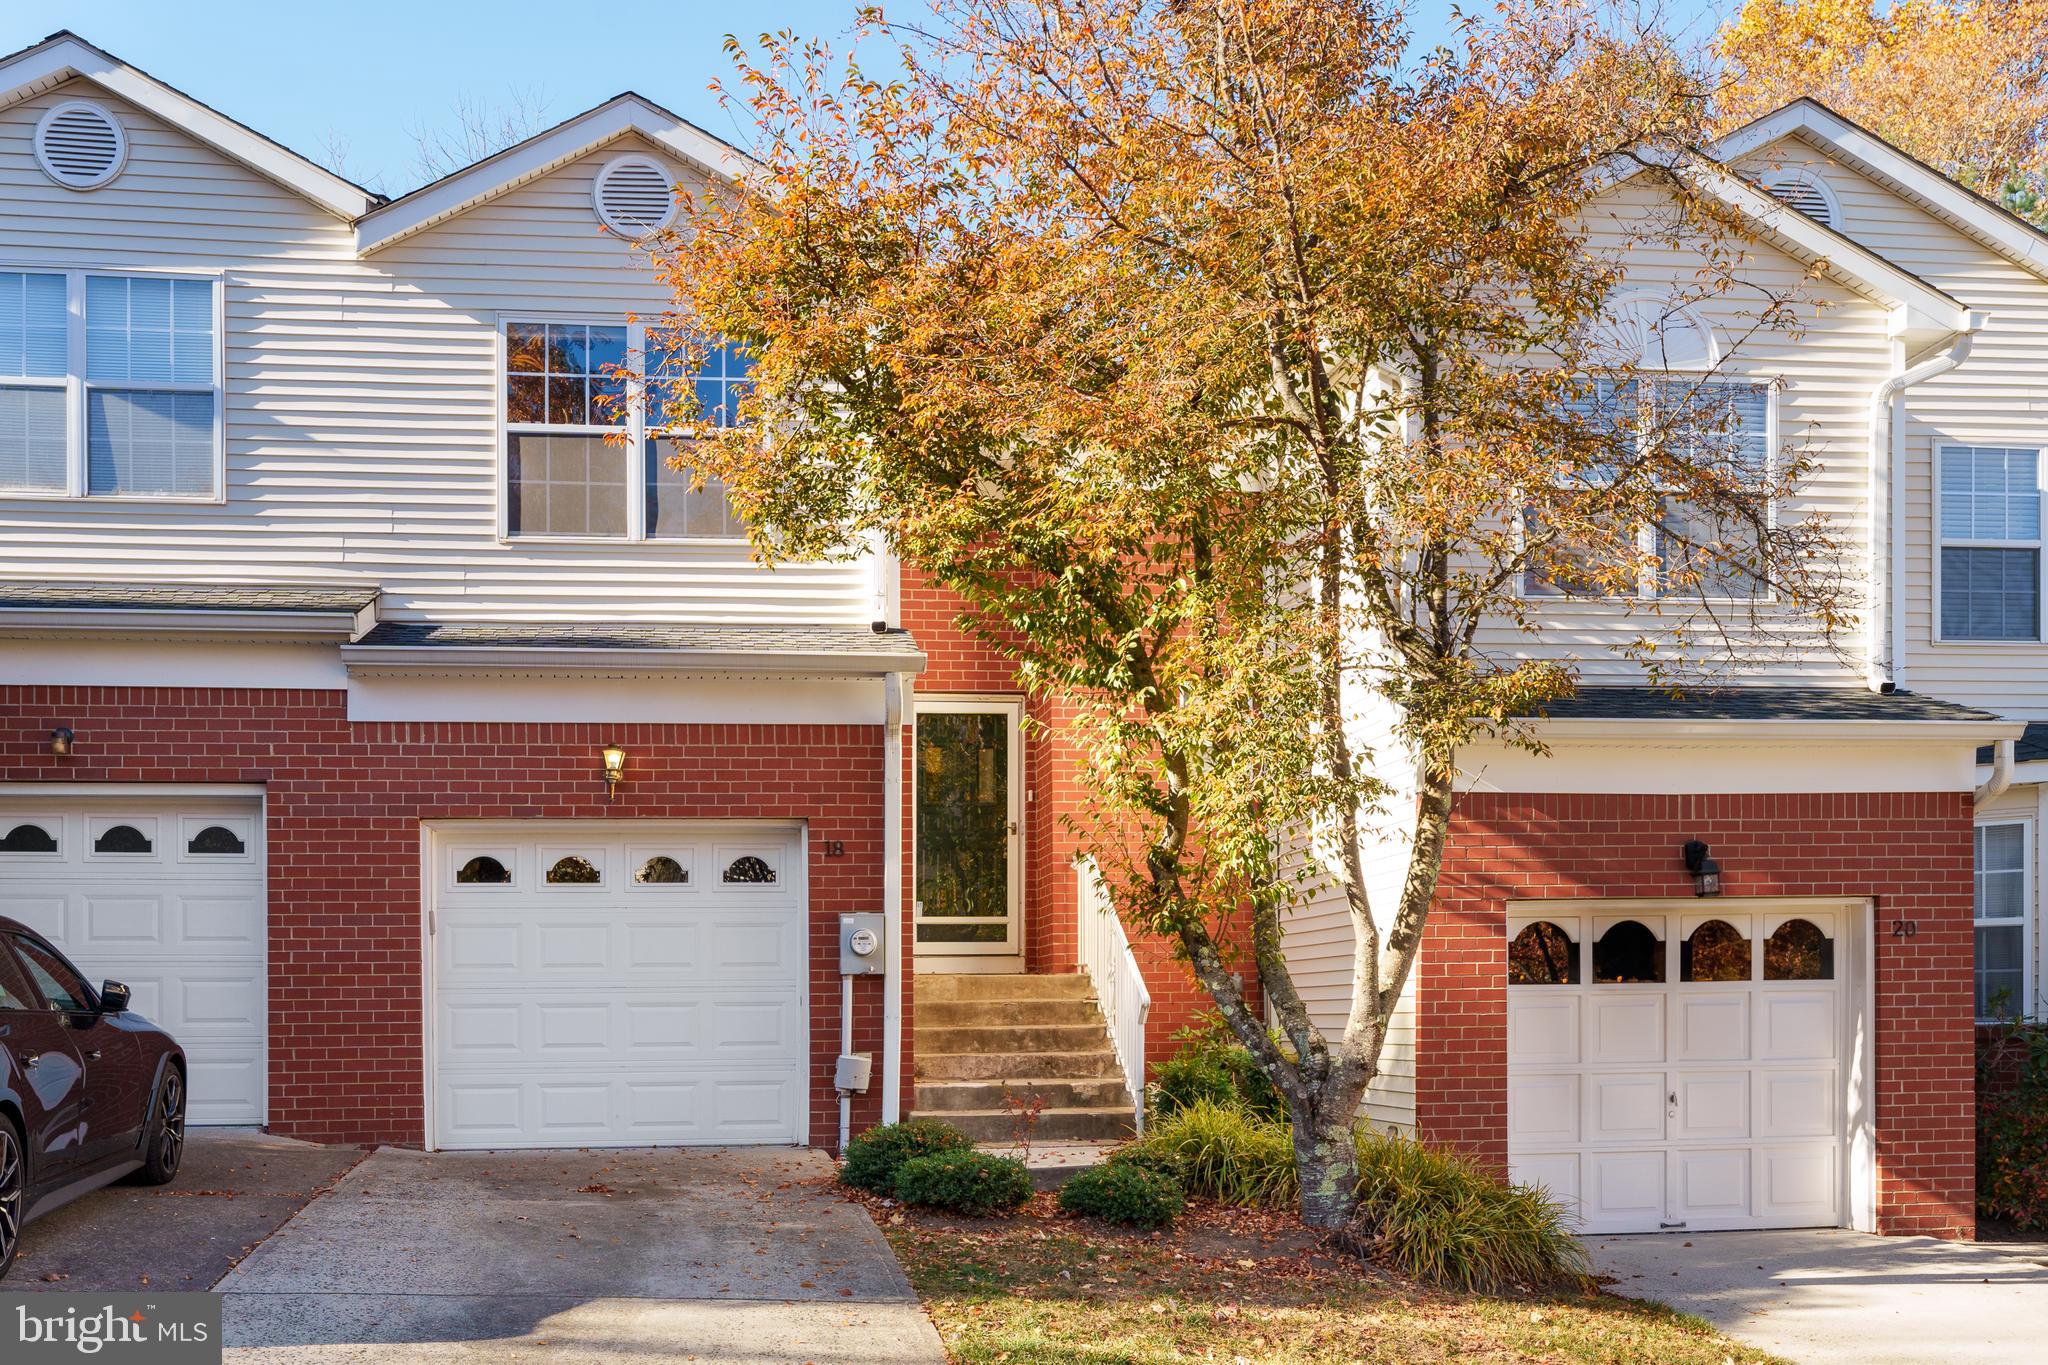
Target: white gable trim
1971,213
537,156
64,57
1921,315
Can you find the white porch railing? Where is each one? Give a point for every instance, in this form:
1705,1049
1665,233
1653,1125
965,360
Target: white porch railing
1119,986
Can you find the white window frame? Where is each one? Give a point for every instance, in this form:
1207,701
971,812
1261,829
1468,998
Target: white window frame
636,427
1012,710
76,388
2039,545
2025,922
1646,533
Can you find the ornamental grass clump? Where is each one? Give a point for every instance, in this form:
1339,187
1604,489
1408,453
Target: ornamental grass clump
874,1157
964,1181
1435,1216
1228,1154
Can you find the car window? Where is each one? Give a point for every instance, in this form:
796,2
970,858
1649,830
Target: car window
14,991
61,987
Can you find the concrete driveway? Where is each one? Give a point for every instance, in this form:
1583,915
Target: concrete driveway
1835,1296
236,1187
740,1255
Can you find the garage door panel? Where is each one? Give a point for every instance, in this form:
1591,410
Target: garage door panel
1795,1025
225,1074
1796,1183
1713,1106
1796,1103
1624,1107
41,910
1543,1110
1555,1173
1709,1185
622,1011
1543,1029
1623,1189
122,922
1709,1026
1624,1027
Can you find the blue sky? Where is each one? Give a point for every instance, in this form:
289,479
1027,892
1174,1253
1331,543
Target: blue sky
312,79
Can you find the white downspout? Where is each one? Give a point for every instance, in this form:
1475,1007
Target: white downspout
2001,774
1885,671
892,896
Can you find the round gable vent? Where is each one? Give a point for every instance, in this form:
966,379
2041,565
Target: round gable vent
1806,193
634,196
80,146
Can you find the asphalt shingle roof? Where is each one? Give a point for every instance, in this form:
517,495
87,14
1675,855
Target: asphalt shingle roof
183,597
769,639
1756,703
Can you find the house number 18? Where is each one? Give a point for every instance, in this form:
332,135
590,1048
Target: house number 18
833,848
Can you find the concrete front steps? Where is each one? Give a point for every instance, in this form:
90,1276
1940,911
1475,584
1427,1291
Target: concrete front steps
983,1039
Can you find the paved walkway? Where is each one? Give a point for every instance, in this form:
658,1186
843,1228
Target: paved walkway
578,1258
1835,1296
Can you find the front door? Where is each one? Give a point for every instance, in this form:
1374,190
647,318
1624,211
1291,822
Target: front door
969,835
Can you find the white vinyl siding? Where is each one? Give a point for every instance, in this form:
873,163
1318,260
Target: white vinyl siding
360,401
2003,918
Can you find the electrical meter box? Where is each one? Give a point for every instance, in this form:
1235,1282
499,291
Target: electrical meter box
852,1072
860,945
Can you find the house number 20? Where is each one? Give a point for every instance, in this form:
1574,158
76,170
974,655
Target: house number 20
1904,928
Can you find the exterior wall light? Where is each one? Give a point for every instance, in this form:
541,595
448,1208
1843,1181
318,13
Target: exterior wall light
60,741
1705,872
614,770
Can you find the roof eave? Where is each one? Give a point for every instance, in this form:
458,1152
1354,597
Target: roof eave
65,57
156,622
1776,730
540,154
371,659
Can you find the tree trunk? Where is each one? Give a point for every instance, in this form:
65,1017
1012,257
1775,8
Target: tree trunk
1326,1157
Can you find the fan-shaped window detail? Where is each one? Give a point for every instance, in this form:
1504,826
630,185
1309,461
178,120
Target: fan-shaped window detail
1657,333
1806,192
634,196
661,869
80,146
1628,954
1716,951
749,869
28,838
216,839
483,870
573,871
1798,951
1543,955
123,839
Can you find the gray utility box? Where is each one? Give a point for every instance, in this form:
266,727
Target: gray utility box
861,944
852,1072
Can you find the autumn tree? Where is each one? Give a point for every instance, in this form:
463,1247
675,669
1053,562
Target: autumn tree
1234,362
1961,84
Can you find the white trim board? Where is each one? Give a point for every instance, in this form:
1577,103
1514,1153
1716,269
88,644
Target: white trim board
1673,766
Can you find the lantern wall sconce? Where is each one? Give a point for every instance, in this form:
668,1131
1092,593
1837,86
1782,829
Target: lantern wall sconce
60,741
1705,872
614,770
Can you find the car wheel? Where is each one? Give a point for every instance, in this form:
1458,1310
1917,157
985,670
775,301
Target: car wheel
166,1147
13,1193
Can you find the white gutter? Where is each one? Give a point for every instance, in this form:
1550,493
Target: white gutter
625,659
2001,774
892,896
1636,730
159,622
1884,671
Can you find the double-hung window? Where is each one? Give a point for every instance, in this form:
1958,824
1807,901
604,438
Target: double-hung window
2002,900
582,403
109,385
1990,543
1718,424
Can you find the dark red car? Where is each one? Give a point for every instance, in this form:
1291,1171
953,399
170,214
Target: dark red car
89,1092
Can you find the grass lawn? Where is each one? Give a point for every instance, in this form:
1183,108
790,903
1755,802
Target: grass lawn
1233,1286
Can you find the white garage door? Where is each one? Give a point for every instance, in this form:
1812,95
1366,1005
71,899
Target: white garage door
618,983
1678,1070
167,896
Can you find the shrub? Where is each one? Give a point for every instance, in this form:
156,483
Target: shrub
1228,1154
1147,1157
873,1158
1123,1192
2012,1126
964,1181
1210,1065
1435,1216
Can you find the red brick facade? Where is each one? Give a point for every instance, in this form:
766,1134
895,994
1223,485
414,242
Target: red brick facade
1911,853
344,804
